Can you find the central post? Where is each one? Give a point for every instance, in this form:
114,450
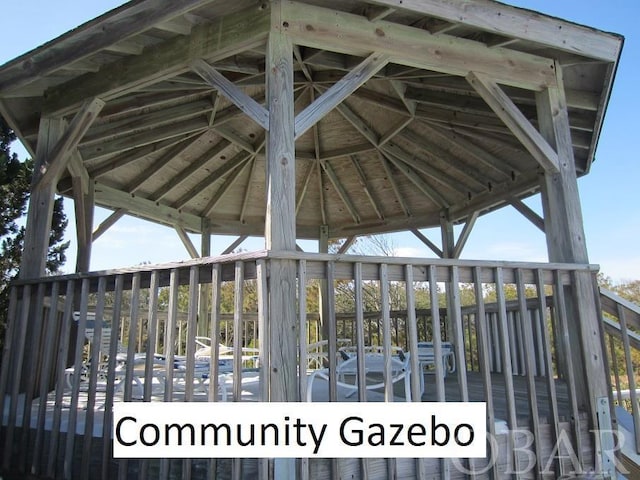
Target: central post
280,228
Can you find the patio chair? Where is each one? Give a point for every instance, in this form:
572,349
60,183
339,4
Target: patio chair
374,367
426,357
318,353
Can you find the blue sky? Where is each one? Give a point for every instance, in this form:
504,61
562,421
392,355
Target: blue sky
609,192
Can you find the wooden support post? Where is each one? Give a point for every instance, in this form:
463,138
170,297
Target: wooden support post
36,243
448,249
280,228
205,291
323,285
566,243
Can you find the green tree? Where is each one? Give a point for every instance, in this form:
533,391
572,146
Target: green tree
15,180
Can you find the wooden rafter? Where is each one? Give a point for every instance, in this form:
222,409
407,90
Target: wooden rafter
426,189
342,192
323,206
158,164
213,41
364,183
231,178
120,25
181,129
392,150
499,168
240,99
439,155
338,92
195,167
508,112
394,185
212,177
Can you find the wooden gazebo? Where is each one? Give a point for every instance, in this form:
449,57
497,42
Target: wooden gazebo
317,119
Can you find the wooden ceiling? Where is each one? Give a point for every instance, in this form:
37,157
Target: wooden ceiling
417,140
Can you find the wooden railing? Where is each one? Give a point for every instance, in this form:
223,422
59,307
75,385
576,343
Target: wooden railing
507,323
621,322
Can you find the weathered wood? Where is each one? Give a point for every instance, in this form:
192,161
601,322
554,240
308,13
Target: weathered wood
322,28
186,241
338,92
528,213
427,242
464,235
519,23
218,39
108,223
235,244
40,211
244,102
513,118
84,209
342,192
89,39
50,167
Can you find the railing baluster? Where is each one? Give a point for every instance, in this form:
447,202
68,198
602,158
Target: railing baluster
47,373
484,364
112,365
96,360
360,368
236,471
548,364
7,375
529,357
505,348
61,376
631,375
77,374
563,332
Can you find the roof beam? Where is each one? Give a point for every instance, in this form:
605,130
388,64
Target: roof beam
513,118
240,99
111,28
524,24
338,92
213,41
157,212
224,188
328,29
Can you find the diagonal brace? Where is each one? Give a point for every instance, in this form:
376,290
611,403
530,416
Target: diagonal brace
49,169
244,102
515,120
338,92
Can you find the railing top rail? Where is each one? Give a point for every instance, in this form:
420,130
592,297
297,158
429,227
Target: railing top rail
610,302
185,264
417,261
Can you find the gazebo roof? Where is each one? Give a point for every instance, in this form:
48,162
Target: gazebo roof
426,131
